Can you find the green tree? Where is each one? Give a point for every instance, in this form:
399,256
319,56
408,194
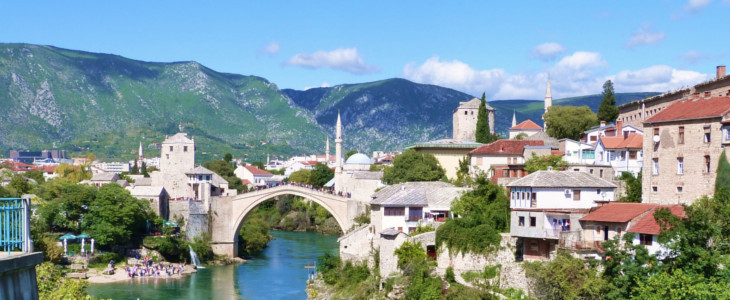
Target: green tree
483,134
52,285
541,163
412,165
19,184
228,157
259,164
143,170
409,253
463,178
608,111
564,277
254,235
225,170
35,175
350,153
135,169
633,187
301,176
569,121
722,180
483,212
117,218
320,175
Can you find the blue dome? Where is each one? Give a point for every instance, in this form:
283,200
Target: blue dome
358,159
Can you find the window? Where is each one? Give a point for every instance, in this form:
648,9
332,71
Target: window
415,213
656,131
533,221
594,138
466,113
576,195
600,173
170,148
655,166
707,135
618,231
727,134
395,211
645,239
680,189
590,171
681,135
632,154
522,221
707,164
167,156
680,165
598,191
185,148
654,188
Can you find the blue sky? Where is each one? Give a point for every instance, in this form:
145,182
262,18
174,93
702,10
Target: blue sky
503,48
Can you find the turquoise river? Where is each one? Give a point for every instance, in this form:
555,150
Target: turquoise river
276,273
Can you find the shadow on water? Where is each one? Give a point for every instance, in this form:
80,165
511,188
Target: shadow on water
275,273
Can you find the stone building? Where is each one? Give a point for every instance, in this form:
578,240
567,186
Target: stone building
501,158
638,111
158,197
177,156
448,152
465,120
682,145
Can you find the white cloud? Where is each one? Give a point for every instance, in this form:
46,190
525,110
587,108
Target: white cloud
547,51
693,57
323,85
343,59
272,48
695,6
581,73
645,36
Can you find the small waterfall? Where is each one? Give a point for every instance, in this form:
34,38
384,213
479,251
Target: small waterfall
194,259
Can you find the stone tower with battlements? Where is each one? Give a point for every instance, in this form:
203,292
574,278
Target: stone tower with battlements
465,120
177,156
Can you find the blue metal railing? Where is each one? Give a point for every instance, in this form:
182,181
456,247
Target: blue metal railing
15,225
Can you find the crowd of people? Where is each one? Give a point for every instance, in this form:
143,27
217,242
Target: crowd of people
151,269
308,186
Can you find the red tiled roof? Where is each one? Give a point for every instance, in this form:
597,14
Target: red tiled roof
506,147
693,109
556,153
648,224
256,171
618,212
245,182
527,124
633,141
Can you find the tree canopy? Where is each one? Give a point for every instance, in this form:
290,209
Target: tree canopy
569,121
115,217
412,165
483,132
225,170
538,163
633,187
722,180
608,111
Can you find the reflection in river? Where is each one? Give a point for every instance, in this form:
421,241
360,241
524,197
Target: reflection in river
276,273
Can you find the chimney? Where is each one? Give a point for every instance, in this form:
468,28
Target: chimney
720,72
603,123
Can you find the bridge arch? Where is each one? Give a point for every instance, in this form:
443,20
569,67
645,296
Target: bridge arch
243,204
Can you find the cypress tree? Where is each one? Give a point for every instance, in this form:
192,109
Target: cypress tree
482,134
135,169
144,170
722,181
608,111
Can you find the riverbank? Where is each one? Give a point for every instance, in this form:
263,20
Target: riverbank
95,276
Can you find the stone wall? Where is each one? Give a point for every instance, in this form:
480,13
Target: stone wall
358,245
197,222
18,276
511,274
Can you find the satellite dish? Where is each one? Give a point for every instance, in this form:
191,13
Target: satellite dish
656,138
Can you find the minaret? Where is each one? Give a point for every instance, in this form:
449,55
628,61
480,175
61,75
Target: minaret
140,157
338,145
514,119
548,102
327,152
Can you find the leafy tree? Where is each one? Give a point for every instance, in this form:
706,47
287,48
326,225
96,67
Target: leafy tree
135,169
521,136
564,277
462,173
541,163
19,184
483,134
115,217
259,164
633,187
320,175
569,121
52,285
722,180
408,253
35,175
143,170
228,157
254,235
484,213
608,111
412,165
301,176
350,153
90,158
628,264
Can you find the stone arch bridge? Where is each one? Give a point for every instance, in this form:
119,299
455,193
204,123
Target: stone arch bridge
227,213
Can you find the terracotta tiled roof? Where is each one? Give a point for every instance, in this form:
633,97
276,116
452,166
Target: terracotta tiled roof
693,109
506,147
648,224
633,141
245,182
528,125
616,212
256,171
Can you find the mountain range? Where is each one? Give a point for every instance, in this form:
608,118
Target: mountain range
106,104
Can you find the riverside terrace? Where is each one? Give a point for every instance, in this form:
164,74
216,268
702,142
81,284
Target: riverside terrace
17,259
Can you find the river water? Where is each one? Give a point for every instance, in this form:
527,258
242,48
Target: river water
276,273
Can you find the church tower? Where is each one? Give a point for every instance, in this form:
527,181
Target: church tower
548,102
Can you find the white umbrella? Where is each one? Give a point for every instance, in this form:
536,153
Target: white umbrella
64,246
83,241
92,246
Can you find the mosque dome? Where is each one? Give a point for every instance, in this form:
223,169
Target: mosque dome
358,159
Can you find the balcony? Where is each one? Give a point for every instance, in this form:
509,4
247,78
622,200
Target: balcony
15,225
